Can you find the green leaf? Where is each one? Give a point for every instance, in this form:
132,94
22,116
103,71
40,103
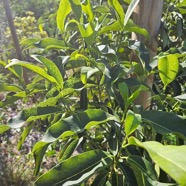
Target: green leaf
145,166
31,114
164,122
4,128
51,43
132,122
69,150
168,67
24,134
130,10
170,158
63,10
87,72
52,69
124,91
119,11
38,151
76,8
13,88
142,53
113,27
87,8
77,123
76,170
35,69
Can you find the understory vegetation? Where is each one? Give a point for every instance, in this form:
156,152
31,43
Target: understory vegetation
77,121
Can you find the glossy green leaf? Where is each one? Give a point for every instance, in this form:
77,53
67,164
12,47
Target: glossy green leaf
76,170
77,123
4,128
168,67
52,69
9,100
170,158
132,122
130,10
36,69
113,142
31,114
165,122
63,11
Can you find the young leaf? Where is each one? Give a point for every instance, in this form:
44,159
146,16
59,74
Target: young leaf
130,10
168,67
35,69
52,69
76,170
63,10
170,158
132,122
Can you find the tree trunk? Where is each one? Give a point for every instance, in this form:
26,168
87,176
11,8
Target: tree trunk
147,15
14,35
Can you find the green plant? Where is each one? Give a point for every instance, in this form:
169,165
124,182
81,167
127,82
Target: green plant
89,105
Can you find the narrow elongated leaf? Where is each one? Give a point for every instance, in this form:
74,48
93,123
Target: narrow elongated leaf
119,10
145,166
132,122
168,67
164,122
51,43
52,69
31,114
130,10
170,158
63,10
76,170
24,134
38,151
13,88
35,69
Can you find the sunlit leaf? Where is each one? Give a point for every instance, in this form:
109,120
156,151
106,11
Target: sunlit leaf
63,10
76,170
132,122
170,158
168,67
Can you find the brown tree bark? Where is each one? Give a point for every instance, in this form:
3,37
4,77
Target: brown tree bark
14,35
147,15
